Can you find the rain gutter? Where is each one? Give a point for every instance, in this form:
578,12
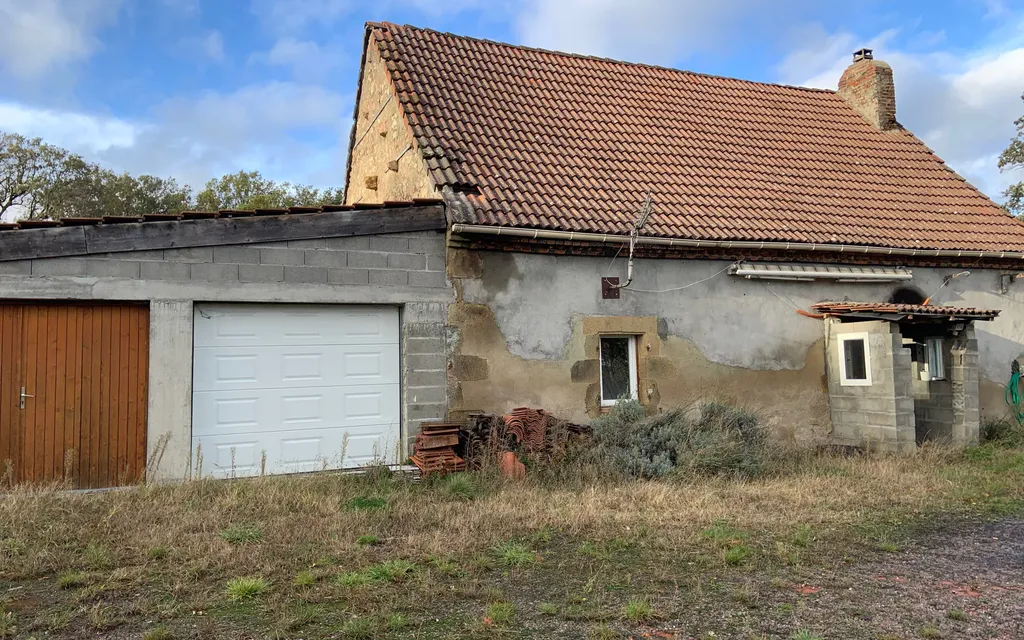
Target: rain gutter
575,236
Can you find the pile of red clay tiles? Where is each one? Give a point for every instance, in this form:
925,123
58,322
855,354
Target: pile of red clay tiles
434,451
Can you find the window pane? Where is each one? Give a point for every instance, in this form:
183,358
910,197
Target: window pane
853,350
614,368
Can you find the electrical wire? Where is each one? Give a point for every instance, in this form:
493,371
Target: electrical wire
685,286
799,309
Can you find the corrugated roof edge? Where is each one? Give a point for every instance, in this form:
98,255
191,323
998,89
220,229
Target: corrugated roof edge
25,225
566,54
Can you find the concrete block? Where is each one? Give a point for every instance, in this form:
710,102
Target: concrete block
324,258
306,275
422,412
215,272
391,242
58,267
433,245
436,262
425,379
880,419
236,255
313,243
348,276
431,279
423,329
416,313
288,257
149,255
425,362
411,261
351,243
190,254
427,394
389,278
367,260
165,271
434,344
16,267
112,268
260,273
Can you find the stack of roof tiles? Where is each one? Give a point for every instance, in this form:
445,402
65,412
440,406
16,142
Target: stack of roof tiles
529,138
434,448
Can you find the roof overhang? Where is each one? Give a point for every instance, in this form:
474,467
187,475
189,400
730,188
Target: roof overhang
903,312
811,272
752,245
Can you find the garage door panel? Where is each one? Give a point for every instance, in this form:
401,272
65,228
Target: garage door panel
256,367
271,325
287,388
266,410
294,451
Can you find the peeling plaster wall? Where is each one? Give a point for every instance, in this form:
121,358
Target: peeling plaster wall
518,334
382,139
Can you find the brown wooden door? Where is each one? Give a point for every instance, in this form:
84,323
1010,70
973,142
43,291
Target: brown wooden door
85,371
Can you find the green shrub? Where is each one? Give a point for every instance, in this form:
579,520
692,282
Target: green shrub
710,439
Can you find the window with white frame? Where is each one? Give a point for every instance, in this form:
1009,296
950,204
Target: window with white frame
933,355
618,369
854,360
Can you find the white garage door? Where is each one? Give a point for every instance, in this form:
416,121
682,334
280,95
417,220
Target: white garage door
293,388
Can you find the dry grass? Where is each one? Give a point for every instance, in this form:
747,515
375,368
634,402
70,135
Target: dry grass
429,532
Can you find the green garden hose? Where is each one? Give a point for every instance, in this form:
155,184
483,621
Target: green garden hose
1013,398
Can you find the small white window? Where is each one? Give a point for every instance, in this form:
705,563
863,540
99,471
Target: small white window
936,366
854,360
618,369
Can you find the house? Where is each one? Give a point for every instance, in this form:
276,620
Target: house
801,253
765,201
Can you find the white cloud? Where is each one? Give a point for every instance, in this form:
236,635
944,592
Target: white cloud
307,60
38,35
961,105
212,46
654,31
84,133
186,8
286,130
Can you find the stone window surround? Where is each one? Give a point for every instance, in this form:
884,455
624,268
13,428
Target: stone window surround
648,345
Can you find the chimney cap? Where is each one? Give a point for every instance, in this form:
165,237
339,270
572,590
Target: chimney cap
863,54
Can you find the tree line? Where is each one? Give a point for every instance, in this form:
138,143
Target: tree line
42,181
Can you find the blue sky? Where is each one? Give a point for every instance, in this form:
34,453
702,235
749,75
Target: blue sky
197,88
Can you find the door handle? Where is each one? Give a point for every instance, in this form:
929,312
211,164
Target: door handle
24,395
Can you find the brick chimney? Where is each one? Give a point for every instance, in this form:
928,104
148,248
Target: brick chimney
868,88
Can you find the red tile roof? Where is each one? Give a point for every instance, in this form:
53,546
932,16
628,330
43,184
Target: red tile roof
930,310
530,138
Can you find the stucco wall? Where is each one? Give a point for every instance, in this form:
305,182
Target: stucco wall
519,338
382,138
401,269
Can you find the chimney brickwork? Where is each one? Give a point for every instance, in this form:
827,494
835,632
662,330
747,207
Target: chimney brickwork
867,86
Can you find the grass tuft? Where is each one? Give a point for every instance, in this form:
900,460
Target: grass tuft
737,555
638,610
304,578
548,609
158,553
364,503
241,534
246,588
368,540
930,632
390,571
804,634
957,614
360,629
97,556
72,580
462,486
158,633
513,553
500,614
352,579
395,622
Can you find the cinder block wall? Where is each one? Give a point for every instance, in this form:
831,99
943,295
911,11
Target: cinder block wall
402,269
881,415
413,259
